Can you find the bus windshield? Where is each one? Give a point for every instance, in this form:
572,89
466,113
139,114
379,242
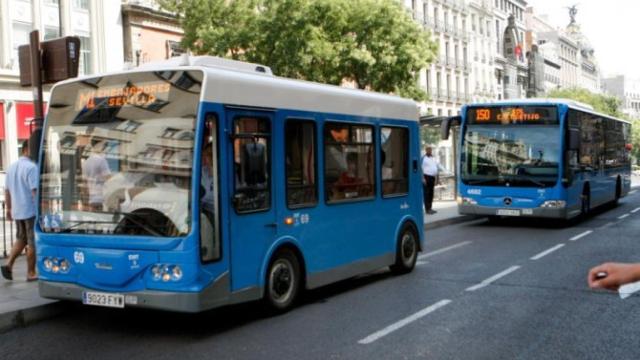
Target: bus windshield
118,154
512,155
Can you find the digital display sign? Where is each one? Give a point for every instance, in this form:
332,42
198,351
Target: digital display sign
506,115
119,96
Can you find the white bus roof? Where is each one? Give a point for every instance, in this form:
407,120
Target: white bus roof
241,84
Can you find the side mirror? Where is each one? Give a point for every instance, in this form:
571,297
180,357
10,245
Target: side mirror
574,139
447,123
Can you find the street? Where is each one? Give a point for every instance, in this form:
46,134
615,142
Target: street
515,289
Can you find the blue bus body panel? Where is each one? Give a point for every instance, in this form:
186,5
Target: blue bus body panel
328,236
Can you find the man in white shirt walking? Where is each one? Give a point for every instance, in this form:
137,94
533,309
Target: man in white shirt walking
430,168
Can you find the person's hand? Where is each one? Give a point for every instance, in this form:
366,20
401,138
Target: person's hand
615,275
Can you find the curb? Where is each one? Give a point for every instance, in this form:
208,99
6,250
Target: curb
23,317
451,221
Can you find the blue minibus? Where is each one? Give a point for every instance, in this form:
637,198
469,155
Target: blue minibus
200,182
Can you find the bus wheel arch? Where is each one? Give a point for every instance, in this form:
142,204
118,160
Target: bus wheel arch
407,248
284,277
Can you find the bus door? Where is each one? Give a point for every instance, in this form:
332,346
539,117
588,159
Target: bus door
253,222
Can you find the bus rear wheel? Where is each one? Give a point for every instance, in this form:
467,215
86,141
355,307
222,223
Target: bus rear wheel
406,252
283,281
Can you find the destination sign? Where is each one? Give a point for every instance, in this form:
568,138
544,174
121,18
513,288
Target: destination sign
119,96
506,115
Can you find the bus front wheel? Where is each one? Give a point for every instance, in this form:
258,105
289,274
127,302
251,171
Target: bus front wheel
406,252
283,281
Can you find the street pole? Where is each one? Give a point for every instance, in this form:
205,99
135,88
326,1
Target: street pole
36,83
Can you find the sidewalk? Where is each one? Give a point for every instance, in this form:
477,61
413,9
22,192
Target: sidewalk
447,214
20,303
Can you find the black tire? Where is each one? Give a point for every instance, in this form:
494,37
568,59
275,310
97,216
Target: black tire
406,251
283,281
616,200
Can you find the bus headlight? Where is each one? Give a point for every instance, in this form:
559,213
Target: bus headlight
166,273
554,204
56,265
467,201
64,266
176,273
48,264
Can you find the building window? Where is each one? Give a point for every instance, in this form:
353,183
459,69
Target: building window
300,160
20,37
51,32
349,162
394,156
174,49
85,55
81,4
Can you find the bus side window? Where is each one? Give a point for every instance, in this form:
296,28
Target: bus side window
300,160
251,164
209,211
394,157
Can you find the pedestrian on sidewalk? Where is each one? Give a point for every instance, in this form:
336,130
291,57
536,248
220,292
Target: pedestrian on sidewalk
21,181
430,169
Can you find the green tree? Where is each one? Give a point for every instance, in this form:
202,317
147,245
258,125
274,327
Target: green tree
606,104
373,43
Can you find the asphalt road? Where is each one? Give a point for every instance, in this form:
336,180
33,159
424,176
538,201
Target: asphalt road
512,290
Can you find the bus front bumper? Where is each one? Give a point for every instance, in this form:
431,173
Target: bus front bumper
214,295
551,213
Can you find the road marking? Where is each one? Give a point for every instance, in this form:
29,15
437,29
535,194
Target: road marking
547,252
623,216
632,192
635,210
406,321
418,263
581,235
627,290
429,254
605,225
493,278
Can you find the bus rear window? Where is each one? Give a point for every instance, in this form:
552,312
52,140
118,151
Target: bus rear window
508,115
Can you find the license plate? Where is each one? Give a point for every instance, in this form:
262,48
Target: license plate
508,212
103,299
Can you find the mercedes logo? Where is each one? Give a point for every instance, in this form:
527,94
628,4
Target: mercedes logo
508,201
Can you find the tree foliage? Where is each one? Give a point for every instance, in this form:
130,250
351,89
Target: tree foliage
606,104
375,44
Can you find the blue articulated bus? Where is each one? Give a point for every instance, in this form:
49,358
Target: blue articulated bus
202,182
542,158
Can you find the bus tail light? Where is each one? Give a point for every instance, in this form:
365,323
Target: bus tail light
554,204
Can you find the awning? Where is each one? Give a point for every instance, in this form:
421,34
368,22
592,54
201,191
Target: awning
1,121
24,117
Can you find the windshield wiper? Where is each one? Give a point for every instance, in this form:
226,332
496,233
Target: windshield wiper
138,221
81,222
484,181
529,179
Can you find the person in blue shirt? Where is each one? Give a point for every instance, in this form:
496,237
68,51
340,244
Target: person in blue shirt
21,182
